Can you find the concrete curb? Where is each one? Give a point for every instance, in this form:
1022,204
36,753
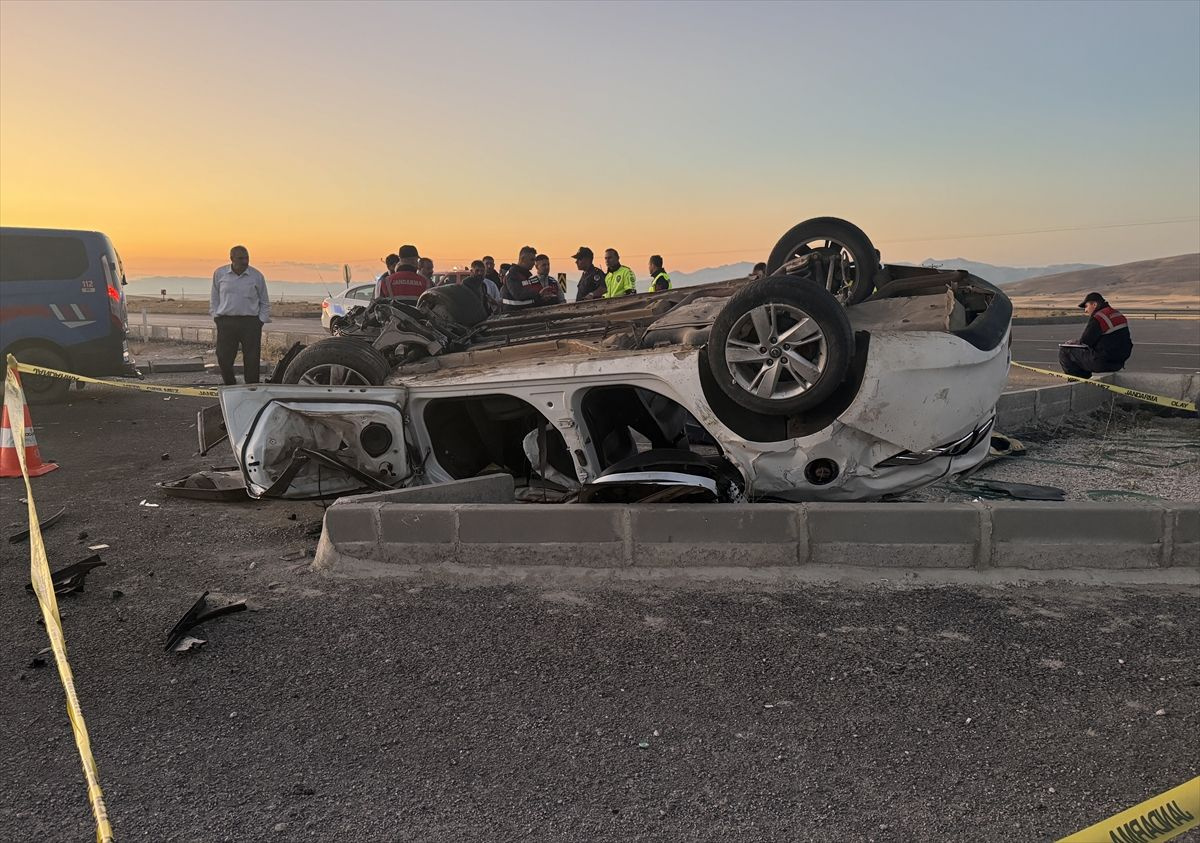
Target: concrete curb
1023,407
1050,403
193,364
764,542
208,336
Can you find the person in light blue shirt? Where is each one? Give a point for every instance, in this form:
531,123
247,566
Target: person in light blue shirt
239,307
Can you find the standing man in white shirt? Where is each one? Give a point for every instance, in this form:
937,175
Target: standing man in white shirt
239,307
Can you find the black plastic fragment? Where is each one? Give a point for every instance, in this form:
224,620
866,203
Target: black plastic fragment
71,578
45,522
198,614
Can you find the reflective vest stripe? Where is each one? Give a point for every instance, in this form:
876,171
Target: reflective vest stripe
1111,320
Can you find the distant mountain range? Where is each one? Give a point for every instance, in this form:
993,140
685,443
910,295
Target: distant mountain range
1001,275
1174,280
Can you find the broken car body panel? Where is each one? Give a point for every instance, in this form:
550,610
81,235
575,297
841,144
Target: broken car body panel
363,427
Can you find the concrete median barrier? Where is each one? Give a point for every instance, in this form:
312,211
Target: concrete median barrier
765,542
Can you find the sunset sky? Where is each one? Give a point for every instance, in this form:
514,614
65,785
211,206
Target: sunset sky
318,134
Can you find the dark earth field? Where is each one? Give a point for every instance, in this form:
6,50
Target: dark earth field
392,710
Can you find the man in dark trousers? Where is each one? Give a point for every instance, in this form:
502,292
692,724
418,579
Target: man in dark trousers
239,307
1106,342
405,284
591,282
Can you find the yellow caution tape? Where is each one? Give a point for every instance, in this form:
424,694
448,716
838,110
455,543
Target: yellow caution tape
198,391
1148,397
39,572
1162,817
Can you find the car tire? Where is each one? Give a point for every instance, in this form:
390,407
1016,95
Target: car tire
849,236
43,390
780,347
454,304
338,361
335,324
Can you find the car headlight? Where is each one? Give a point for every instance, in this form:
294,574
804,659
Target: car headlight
950,449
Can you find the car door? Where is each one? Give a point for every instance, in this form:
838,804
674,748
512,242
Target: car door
305,442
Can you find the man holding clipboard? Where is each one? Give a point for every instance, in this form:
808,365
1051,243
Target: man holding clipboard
1106,342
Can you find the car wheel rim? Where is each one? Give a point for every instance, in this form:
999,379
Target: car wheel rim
776,351
332,374
840,272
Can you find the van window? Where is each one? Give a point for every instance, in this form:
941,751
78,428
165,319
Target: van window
25,257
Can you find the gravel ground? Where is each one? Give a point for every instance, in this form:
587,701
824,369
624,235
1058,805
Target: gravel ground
1114,453
387,711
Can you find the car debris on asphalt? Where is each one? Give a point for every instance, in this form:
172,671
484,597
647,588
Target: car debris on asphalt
43,523
72,578
196,615
208,485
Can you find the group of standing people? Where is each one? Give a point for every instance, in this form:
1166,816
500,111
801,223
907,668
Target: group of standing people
523,284
240,306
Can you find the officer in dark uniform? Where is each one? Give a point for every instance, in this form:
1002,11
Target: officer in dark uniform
1105,345
591,282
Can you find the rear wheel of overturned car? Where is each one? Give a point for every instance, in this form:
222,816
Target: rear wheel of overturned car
338,361
848,260
780,347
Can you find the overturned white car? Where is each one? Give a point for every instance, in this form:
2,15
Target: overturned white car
834,378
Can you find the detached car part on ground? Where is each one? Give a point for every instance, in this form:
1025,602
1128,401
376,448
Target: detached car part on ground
834,378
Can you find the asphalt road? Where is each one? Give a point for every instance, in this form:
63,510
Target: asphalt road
1163,345
387,710
1159,345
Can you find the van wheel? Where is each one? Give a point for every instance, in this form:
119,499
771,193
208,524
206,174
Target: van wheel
42,390
780,347
338,361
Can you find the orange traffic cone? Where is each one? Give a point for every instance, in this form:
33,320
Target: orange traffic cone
10,465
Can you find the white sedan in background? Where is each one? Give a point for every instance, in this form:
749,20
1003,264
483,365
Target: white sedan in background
335,308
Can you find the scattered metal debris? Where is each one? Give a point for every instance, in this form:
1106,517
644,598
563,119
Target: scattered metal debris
210,428
71,578
1003,445
198,614
208,486
44,522
1001,490
39,661
147,504
189,643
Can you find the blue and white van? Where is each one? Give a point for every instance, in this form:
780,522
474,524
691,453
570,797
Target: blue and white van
62,306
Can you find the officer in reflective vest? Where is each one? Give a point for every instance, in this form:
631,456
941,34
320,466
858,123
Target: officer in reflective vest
1106,342
619,280
660,281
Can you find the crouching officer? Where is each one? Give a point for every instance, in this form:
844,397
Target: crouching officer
1106,342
